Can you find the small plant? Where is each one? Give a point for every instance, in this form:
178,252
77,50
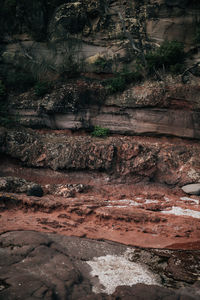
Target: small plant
100,132
130,77
102,63
41,88
116,84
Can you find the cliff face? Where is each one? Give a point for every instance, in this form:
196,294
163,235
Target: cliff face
57,39
147,108
100,129
112,29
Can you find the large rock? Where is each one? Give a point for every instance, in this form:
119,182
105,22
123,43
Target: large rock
69,18
167,18
76,17
192,189
18,185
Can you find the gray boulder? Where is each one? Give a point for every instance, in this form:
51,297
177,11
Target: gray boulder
192,189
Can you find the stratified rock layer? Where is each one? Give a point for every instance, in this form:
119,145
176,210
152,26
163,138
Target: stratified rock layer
161,160
143,214
151,108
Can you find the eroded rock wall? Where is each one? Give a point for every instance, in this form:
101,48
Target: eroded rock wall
148,108
110,29
174,163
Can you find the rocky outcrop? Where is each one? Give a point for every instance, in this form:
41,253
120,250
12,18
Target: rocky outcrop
17,185
108,29
168,162
167,18
65,190
139,185
149,108
45,266
145,215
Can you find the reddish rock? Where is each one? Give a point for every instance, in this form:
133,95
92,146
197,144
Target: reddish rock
171,161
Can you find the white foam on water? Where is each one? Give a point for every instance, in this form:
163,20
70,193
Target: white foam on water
114,271
178,211
189,199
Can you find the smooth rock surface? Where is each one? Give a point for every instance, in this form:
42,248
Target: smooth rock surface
192,189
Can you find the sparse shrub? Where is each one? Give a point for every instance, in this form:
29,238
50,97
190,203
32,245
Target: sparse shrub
169,54
177,68
130,77
6,119
100,132
102,63
116,84
35,190
41,88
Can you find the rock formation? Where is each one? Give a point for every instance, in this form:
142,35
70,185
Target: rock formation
99,149
46,266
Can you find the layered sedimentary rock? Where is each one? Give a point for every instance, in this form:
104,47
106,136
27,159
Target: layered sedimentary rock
149,108
59,180
171,162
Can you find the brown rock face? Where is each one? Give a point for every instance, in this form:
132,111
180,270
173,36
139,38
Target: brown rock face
149,108
105,29
172,162
63,191
168,17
